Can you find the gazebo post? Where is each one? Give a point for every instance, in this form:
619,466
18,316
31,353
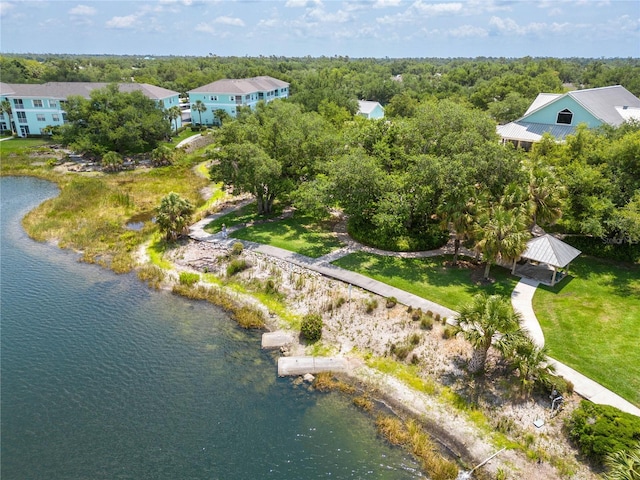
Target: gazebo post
553,278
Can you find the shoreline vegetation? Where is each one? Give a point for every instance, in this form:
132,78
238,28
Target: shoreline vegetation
91,215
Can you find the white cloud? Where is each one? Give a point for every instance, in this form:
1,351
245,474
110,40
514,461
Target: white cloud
233,21
82,11
205,28
511,27
321,15
468,31
386,3
127,21
5,8
437,8
301,3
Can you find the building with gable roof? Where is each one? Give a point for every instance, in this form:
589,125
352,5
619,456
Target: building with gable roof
369,109
37,106
231,94
560,114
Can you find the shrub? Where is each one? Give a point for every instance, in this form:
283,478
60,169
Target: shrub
270,286
248,317
370,305
189,278
414,339
311,327
391,302
236,265
426,323
416,315
448,332
601,430
237,249
426,237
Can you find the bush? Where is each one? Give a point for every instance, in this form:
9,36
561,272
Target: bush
416,315
426,323
189,278
391,302
311,327
601,430
248,317
236,265
270,286
448,332
429,237
370,305
597,247
237,249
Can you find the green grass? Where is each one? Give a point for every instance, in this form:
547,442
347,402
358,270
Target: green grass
591,322
429,278
300,234
246,214
21,145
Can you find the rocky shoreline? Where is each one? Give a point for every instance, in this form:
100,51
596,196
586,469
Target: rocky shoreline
352,328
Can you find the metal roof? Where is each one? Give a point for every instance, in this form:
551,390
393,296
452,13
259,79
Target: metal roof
601,102
63,90
550,250
532,132
241,86
367,106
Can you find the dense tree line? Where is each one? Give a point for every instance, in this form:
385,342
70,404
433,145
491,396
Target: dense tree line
503,86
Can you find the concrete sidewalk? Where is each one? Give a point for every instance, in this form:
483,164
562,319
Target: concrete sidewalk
521,299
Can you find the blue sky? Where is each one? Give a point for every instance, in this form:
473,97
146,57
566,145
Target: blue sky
365,28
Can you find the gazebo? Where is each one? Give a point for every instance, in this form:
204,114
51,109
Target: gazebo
545,255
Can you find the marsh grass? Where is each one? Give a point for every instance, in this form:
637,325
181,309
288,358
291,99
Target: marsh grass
327,382
152,275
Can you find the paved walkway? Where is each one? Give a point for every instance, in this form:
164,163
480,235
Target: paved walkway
521,297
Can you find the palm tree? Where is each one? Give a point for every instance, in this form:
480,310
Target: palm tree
530,361
5,107
112,162
546,195
457,212
199,107
501,235
173,114
624,465
222,115
485,320
173,215
163,155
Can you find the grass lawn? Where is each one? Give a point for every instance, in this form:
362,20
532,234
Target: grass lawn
300,234
246,214
592,323
430,278
21,145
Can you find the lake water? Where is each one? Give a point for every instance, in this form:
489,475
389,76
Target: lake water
103,378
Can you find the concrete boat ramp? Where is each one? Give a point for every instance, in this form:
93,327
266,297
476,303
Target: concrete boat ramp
294,366
288,366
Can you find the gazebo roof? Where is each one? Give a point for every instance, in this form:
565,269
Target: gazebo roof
550,250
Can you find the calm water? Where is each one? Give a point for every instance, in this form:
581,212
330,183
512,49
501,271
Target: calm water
103,378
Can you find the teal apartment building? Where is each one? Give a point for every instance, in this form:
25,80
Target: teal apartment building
34,107
230,94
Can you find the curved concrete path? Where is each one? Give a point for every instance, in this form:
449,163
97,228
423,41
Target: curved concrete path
521,297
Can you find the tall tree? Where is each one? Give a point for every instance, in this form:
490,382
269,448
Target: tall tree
173,215
5,107
488,319
501,235
199,107
173,114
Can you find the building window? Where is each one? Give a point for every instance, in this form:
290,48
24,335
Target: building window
565,117
22,117
37,103
214,98
55,117
53,104
17,102
40,117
